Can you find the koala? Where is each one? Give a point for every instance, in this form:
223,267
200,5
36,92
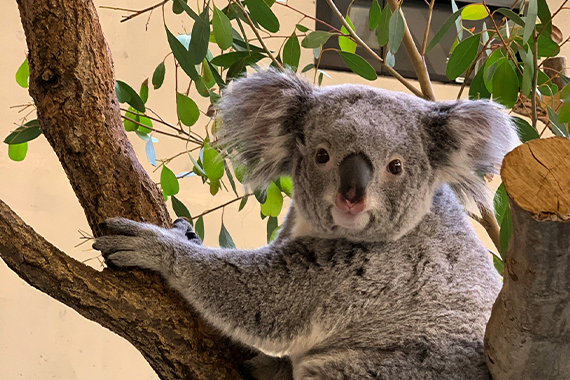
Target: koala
377,272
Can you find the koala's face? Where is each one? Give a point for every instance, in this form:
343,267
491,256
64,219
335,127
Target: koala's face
365,162
362,171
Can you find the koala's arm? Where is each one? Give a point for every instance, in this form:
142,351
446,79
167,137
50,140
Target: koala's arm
265,298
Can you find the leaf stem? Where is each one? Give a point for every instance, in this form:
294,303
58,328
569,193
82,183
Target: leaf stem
430,12
372,53
534,116
222,205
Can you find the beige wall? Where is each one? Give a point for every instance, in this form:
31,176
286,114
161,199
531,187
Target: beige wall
39,337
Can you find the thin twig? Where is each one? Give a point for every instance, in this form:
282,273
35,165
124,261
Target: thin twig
309,16
430,12
534,117
252,25
372,53
142,11
153,129
222,205
417,60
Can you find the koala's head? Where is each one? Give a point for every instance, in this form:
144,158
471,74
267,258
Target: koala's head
365,162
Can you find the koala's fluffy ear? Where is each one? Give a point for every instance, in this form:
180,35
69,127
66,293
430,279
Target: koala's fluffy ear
466,139
263,117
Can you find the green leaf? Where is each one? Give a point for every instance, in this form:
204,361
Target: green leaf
346,43
198,47
274,201
222,29
374,15
384,26
302,28
180,209
545,16
511,15
443,30
176,8
242,203
212,162
292,52
168,182
262,14
564,113
216,75
17,152
158,75
530,23
558,128
272,224
199,229
545,85
547,47
359,65
308,67
315,39
499,265
390,59
228,59
397,30
187,110
490,67
528,71
506,232
225,238
462,57
505,83
198,169
500,203
24,133
126,94
458,25
181,4
231,179
477,89
145,121
286,185
144,91
525,130
130,126
240,171
565,93
23,74
150,152
260,195
182,56
474,12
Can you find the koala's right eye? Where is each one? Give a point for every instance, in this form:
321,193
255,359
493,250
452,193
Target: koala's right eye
322,156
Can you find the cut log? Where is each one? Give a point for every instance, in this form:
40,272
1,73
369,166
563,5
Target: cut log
528,334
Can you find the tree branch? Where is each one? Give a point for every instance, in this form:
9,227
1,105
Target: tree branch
417,60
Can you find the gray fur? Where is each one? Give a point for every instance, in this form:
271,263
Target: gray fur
403,291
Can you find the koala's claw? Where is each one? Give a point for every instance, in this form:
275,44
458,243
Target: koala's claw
182,225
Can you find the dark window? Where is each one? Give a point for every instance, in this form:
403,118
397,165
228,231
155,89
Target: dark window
416,12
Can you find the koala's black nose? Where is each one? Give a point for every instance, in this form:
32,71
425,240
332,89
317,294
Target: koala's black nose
355,173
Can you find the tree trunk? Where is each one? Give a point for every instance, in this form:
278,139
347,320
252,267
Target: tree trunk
528,335
72,84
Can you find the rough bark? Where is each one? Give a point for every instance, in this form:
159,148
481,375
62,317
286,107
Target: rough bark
72,84
528,335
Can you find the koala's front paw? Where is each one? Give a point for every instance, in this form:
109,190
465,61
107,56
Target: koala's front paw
130,243
182,226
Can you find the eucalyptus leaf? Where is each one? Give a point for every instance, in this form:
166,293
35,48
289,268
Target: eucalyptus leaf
506,232
273,202
181,4
359,65
242,203
150,152
530,23
272,224
558,127
222,29
525,130
231,179
511,15
17,152
564,113
24,133
547,47
383,30
182,56
225,238
374,15
260,195
198,47
292,52
462,57
187,110
261,13
23,74
199,228
477,89
528,71
443,30
474,12
500,203
286,185
505,83
490,67
397,31
346,43
545,16
180,209
302,28
212,162
144,91
168,182
315,39
126,94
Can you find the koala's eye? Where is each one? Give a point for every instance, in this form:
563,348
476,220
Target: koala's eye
322,156
395,167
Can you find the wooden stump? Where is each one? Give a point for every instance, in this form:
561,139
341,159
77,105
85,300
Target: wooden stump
528,334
